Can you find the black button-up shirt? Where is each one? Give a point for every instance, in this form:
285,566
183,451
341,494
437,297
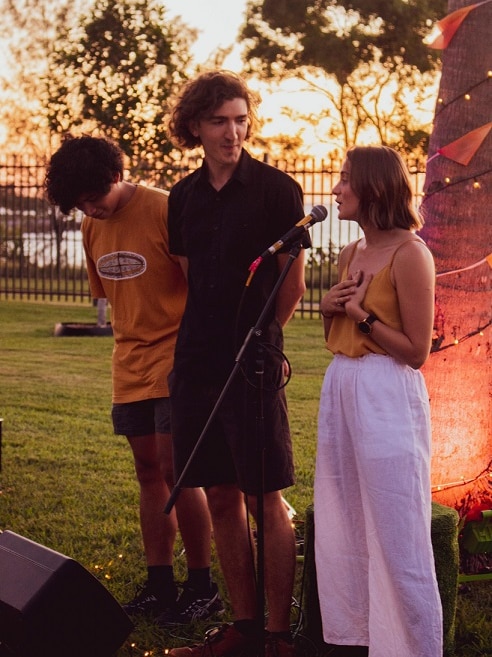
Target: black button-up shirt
222,233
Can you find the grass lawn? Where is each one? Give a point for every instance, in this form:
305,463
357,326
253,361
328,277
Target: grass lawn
68,483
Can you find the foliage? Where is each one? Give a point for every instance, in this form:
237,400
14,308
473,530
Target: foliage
31,28
114,72
340,36
68,483
352,53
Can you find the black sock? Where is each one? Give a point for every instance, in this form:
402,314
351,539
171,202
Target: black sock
161,580
284,636
247,626
199,579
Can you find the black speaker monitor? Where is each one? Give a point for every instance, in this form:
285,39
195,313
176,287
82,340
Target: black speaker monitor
50,605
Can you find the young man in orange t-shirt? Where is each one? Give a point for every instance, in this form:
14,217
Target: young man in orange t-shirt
128,261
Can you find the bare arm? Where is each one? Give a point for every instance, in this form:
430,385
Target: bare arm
292,288
183,261
414,279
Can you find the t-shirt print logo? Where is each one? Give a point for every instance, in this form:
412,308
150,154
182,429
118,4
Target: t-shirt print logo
121,264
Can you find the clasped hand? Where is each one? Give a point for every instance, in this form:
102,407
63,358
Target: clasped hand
350,291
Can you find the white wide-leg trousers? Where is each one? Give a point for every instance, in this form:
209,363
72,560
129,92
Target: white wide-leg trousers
372,510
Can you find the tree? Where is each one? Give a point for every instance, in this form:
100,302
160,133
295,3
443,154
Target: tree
114,73
29,29
352,53
458,229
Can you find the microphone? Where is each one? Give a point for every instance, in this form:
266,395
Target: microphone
318,213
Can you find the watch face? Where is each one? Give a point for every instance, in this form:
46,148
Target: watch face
365,325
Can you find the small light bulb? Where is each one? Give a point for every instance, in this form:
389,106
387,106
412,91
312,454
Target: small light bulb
467,97
447,180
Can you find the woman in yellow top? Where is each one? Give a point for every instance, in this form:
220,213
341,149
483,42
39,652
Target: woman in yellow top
372,497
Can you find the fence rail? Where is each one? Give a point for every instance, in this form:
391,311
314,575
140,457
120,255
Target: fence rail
41,255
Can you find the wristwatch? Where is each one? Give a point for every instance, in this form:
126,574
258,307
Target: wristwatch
365,325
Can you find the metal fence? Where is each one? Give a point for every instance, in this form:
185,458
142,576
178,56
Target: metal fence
41,255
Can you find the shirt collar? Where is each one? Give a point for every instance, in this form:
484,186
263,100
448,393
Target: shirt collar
242,172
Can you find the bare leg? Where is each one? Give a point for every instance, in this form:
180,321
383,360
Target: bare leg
280,560
153,466
158,529
231,533
192,511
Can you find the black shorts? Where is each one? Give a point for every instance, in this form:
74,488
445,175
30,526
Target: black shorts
142,418
237,446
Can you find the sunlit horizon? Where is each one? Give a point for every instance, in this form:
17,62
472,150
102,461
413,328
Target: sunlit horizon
219,29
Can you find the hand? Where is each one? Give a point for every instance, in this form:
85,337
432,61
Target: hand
353,306
335,299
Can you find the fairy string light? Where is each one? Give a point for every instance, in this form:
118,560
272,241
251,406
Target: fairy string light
437,342
486,473
465,95
440,185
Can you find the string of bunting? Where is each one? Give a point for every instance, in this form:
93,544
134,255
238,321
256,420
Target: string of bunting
464,148
445,29
461,151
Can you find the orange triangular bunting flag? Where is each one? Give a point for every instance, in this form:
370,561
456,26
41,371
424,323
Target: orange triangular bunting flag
463,149
449,24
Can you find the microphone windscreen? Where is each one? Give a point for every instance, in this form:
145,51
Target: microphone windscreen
319,213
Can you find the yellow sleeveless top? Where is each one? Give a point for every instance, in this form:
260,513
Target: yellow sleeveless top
381,300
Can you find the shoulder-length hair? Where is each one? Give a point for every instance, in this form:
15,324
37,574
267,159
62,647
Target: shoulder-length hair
201,97
380,179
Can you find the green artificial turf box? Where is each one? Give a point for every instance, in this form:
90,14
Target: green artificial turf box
444,534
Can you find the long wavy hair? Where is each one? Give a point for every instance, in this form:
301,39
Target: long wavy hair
201,97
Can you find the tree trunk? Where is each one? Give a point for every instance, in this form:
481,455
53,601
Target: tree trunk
458,214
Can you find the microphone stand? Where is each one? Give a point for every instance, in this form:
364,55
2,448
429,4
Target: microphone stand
255,332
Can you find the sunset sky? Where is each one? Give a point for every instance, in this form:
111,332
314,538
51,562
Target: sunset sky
219,28
218,22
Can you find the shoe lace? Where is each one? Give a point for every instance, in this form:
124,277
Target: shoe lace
142,593
190,601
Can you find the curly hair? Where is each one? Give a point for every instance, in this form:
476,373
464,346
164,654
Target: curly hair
82,165
380,180
201,97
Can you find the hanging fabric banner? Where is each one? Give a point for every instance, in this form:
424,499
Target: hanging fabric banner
448,25
463,149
